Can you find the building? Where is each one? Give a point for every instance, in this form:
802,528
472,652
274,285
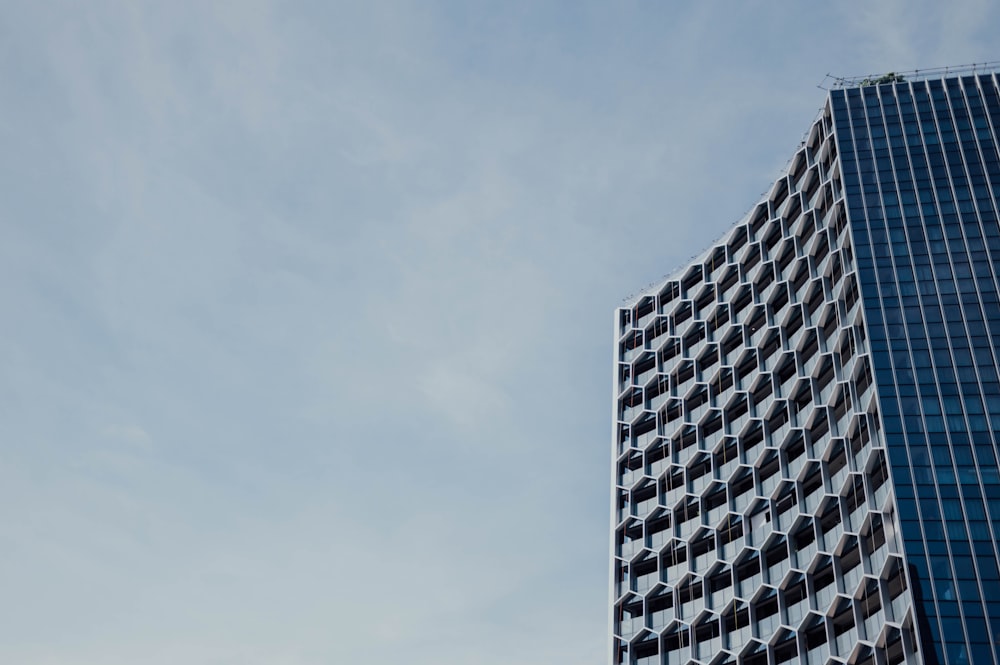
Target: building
807,415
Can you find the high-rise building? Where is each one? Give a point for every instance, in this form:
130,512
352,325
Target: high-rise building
807,415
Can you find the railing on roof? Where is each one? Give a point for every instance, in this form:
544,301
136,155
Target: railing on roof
832,82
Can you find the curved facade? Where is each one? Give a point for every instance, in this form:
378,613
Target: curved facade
806,417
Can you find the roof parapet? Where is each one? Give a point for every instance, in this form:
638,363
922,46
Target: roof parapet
832,82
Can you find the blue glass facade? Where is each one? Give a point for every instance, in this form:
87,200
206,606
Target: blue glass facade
922,175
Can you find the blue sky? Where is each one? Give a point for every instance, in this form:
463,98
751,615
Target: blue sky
306,307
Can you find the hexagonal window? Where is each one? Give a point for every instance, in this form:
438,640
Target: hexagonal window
660,608
747,574
630,540
769,342
673,483
704,293
815,287
715,500
702,550
684,443
895,586
687,516
673,561
869,600
717,317
853,493
759,522
785,647
808,349
658,530
804,545
824,586
785,371
706,355
690,601
764,611
760,389
814,629
776,558
644,498
644,575
630,617
741,486
777,424
785,253
736,625
746,367
737,414
799,275
719,580
845,635
825,375
785,501
794,324
828,321
726,458
811,478
682,313
742,299
730,535
695,401
710,426
829,520
699,472
669,353
795,596
731,344
878,475
675,638
707,637
694,338
801,395
721,383
655,457
835,461
851,569
777,300
670,290
869,458
873,541
683,373
673,410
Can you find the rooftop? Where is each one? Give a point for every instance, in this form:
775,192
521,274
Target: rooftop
832,82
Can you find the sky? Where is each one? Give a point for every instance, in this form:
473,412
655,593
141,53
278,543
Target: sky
306,307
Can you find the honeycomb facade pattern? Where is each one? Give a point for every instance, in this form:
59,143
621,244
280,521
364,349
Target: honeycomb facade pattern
756,517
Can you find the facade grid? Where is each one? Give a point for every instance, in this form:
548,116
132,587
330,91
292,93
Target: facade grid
807,416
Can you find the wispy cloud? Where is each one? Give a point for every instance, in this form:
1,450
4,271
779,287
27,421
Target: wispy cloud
129,434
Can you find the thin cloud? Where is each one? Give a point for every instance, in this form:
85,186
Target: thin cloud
129,434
